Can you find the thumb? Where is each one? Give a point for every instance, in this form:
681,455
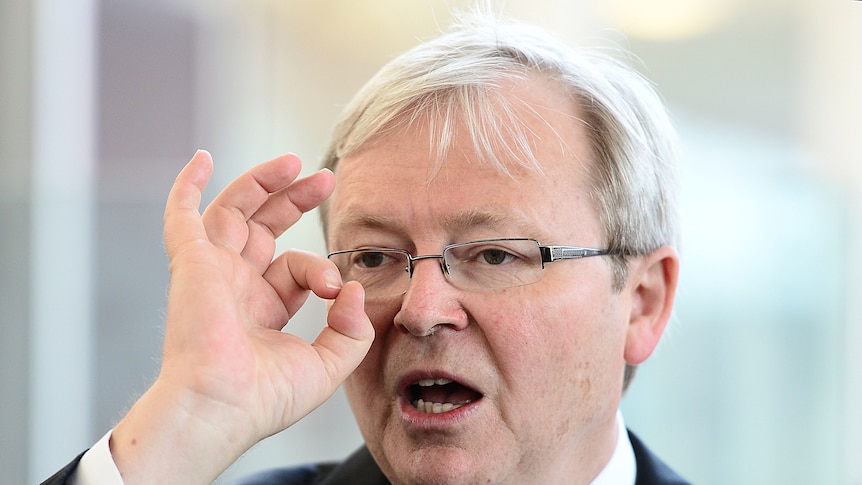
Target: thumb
345,341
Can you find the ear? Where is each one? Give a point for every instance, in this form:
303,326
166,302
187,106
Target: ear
652,283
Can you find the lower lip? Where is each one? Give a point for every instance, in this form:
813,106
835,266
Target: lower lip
413,417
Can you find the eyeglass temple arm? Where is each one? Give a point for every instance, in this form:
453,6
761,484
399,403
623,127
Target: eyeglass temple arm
554,253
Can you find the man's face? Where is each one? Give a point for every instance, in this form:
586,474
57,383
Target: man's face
537,369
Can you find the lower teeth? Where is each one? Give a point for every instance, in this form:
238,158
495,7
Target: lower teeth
435,407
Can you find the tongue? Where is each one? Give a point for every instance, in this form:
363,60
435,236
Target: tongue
452,393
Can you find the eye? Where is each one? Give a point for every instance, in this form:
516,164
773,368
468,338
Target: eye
495,256
370,259
485,254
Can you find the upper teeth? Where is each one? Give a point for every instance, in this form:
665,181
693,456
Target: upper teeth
440,381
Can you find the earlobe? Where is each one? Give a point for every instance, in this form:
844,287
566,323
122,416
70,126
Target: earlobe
652,281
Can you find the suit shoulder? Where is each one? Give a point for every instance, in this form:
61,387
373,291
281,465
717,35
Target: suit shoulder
651,470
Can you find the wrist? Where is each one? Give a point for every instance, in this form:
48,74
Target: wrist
174,435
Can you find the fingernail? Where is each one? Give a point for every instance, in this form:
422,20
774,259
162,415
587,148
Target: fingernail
332,279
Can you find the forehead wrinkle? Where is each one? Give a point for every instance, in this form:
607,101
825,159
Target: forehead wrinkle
455,224
349,220
480,223
462,221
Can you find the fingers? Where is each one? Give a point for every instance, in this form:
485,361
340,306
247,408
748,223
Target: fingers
285,207
226,217
182,217
261,204
296,272
281,211
345,341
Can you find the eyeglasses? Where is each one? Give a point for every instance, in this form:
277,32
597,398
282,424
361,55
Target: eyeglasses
488,264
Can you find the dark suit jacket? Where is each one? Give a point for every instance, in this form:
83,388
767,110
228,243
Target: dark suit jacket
360,469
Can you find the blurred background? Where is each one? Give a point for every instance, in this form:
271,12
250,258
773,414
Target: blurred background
103,101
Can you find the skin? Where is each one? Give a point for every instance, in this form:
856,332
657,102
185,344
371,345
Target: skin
547,358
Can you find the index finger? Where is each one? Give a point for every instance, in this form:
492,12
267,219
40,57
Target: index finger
182,217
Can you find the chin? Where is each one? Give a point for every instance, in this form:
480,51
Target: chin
438,465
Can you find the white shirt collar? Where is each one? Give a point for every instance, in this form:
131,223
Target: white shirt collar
622,467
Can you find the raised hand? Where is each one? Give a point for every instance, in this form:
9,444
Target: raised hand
229,376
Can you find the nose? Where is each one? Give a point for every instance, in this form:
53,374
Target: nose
431,302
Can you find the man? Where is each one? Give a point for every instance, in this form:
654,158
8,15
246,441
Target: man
501,224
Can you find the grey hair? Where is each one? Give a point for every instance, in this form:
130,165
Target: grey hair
632,155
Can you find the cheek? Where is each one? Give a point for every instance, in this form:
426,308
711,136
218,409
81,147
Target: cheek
564,350
524,342
382,314
358,386
365,383
364,393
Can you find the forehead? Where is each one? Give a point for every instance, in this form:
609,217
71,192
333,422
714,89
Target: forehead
396,179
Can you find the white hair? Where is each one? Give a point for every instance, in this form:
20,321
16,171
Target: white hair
632,141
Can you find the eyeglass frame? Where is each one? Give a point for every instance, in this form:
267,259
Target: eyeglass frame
549,254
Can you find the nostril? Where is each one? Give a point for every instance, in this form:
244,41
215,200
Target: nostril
417,330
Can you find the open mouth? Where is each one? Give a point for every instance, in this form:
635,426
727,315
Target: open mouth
440,395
